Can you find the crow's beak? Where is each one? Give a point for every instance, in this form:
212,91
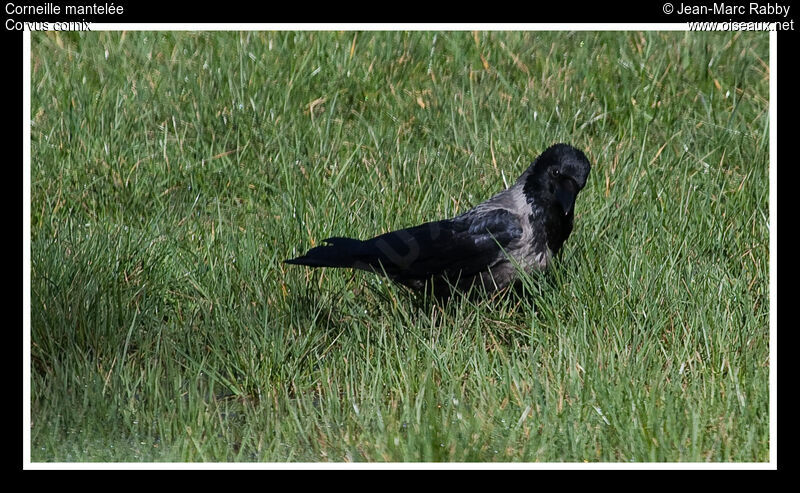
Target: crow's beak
566,191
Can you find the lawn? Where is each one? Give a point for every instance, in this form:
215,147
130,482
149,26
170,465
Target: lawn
172,172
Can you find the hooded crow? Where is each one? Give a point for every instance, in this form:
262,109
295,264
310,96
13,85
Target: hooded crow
522,227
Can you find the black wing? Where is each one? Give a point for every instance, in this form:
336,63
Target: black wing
454,248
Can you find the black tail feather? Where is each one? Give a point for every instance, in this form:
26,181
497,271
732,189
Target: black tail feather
339,252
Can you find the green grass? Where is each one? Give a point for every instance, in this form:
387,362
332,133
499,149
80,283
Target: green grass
172,172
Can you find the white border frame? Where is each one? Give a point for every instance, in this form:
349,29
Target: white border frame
26,245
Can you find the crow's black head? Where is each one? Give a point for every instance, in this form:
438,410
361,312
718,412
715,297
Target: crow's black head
556,177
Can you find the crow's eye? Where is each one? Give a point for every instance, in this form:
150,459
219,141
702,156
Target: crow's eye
556,172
